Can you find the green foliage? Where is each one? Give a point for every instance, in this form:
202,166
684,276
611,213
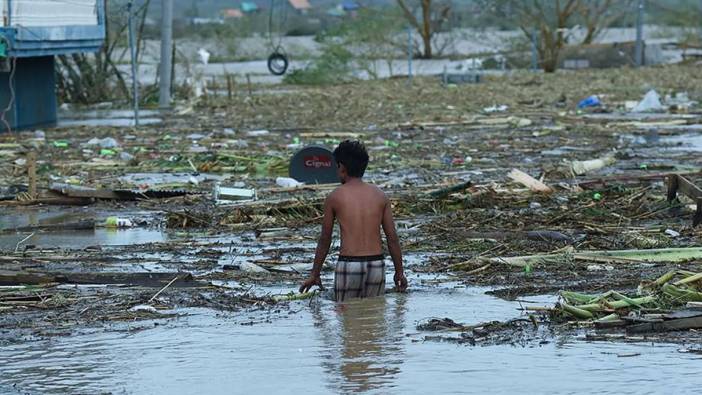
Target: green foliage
363,40
333,66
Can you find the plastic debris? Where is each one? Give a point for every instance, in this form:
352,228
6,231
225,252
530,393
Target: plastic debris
599,268
495,108
145,308
224,195
585,166
116,222
590,101
204,55
251,268
650,103
257,133
107,142
287,182
672,233
125,156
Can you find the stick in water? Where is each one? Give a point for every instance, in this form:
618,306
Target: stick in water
22,241
163,289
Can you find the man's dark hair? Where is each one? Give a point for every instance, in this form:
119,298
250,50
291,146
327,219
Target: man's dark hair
354,156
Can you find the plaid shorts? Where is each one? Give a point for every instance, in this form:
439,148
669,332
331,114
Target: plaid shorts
359,277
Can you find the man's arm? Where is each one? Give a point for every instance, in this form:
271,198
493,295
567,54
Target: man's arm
323,245
394,247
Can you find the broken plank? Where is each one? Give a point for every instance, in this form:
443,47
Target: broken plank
670,325
443,192
530,182
138,278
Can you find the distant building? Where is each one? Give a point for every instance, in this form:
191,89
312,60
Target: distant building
337,11
300,6
350,5
249,7
232,13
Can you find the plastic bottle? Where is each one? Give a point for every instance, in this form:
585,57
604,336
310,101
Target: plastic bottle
116,222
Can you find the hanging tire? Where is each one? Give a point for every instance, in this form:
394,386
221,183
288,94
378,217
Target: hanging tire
277,63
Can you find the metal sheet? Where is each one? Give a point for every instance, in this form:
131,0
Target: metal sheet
32,13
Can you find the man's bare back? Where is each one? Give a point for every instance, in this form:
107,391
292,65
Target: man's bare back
362,210
359,208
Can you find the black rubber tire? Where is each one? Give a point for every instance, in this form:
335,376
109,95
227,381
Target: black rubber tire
277,63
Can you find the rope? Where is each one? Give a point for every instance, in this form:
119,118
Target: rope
11,82
282,20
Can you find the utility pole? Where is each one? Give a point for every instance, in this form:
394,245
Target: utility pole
164,100
135,76
534,50
409,55
638,50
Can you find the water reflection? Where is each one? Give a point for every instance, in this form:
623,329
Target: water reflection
363,342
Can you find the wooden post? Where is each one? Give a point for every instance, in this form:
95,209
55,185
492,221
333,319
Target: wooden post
678,183
672,187
248,82
229,87
32,174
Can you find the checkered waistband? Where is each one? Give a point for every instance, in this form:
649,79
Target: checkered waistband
366,258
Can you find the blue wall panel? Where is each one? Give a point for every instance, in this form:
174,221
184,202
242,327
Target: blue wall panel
34,102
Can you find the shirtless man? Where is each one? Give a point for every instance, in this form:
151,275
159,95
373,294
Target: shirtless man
362,209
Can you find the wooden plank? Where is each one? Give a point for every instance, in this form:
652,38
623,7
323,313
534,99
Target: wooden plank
631,178
670,325
139,278
688,188
32,174
690,313
529,181
83,192
683,323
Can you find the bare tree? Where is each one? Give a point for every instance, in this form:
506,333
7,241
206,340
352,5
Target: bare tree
599,14
434,15
90,78
552,19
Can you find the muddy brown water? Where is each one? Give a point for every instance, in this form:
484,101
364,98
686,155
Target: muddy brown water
75,239
321,347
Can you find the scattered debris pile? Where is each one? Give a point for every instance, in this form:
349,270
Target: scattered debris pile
671,302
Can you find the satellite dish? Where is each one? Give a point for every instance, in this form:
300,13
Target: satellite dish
314,165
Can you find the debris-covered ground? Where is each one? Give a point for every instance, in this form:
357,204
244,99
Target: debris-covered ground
124,227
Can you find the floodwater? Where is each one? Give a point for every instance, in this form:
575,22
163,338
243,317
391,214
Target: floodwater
321,347
686,142
77,239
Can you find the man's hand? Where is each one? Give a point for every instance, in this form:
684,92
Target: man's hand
311,282
400,281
